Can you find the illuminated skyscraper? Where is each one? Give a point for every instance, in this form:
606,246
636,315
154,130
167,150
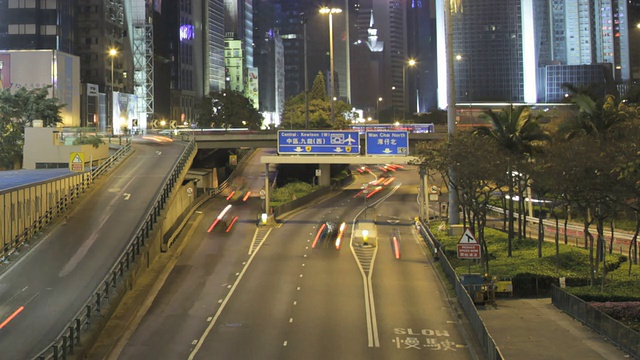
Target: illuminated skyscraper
501,47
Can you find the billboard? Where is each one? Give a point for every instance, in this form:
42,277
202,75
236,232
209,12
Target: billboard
251,90
125,113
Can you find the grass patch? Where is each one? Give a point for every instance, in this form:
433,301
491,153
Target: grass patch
571,263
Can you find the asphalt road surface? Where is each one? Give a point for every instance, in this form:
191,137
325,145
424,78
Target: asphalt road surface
260,292
50,282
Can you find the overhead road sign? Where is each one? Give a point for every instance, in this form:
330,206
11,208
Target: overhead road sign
468,247
390,142
313,142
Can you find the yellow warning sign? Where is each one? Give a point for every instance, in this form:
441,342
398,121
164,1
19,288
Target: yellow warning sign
76,162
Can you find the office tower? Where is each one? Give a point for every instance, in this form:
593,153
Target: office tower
270,60
215,45
368,89
179,73
421,46
50,25
288,16
240,74
502,47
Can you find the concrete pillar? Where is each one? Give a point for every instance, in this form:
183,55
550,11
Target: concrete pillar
325,176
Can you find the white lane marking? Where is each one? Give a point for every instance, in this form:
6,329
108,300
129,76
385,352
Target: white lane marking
290,320
225,301
285,343
295,303
209,318
369,303
194,342
127,196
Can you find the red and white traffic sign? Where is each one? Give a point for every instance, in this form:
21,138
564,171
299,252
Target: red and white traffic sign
468,247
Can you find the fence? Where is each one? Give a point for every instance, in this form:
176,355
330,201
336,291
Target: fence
469,308
113,285
615,331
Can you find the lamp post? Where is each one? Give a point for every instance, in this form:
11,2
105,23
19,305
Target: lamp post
113,52
331,11
409,63
378,108
306,77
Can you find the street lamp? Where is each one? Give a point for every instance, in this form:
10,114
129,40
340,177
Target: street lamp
113,52
409,63
377,108
331,11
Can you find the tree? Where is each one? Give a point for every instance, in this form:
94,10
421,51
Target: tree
18,110
228,109
319,89
476,161
293,116
518,132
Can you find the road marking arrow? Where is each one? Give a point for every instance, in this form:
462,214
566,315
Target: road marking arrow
127,196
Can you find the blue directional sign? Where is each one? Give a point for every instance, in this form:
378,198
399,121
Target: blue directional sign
313,142
388,142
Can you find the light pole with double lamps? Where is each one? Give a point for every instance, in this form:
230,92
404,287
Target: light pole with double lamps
325,10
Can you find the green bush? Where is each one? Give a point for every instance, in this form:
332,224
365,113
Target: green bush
290,192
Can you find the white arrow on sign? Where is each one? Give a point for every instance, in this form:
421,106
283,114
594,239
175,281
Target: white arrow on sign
127,196
338,149
387,151
467,238
298,149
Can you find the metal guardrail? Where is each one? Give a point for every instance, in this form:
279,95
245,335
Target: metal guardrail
112,284
489,346
616,332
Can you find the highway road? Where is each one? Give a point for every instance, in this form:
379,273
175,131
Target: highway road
269,293
47,286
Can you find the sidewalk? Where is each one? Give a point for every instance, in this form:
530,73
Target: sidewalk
533,329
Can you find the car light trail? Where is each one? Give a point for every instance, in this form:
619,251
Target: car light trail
15,313
389,180
231,224
220,216
339,238
231,195
315,241
374,191
246,196
396,247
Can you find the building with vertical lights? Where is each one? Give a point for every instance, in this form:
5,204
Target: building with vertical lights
502,48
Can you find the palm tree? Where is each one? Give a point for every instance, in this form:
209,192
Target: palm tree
518,132
601,122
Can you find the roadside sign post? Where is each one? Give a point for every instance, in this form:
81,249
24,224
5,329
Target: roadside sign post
468,247
76,162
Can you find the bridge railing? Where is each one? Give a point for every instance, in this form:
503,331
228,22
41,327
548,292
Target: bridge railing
106,296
